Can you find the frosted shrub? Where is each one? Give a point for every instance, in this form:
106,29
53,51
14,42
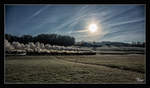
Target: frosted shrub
30,50
38,50
59,47
45,51
47,46
21,51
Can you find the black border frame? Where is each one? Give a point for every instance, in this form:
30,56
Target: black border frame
146,2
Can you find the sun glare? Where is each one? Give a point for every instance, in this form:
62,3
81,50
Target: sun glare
93,28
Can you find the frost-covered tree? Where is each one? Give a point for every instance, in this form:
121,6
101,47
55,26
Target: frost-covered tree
16,45
32,45
37,44
42,46
8,46
27,46
22,45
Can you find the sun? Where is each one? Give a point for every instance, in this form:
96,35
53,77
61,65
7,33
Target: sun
92,28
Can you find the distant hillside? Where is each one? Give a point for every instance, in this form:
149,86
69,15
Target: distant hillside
109,43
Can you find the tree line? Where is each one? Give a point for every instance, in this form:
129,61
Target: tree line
52,39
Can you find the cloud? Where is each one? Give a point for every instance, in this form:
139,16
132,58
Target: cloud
39,11
114,14
70,22
126,22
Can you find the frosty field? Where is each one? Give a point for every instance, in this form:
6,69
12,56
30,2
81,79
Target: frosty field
85,69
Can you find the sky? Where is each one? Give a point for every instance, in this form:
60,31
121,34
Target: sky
120,23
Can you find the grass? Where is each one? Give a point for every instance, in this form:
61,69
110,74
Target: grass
73,69
125,62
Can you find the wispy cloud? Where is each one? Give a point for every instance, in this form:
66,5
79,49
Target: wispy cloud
126,22
39,11
116,14
115,21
